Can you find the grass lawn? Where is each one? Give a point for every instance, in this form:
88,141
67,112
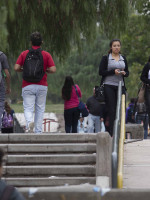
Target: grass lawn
55,108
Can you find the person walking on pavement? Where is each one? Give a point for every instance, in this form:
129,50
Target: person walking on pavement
71,102
113,68
145,78
4,77
95,116
35,64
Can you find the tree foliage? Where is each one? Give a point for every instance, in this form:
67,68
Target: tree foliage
136,46
62,22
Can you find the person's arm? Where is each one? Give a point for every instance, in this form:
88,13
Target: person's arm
144,74
18,68
126,71
51,70
8,90
103,67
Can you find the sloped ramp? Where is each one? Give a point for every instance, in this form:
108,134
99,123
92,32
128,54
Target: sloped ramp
137,165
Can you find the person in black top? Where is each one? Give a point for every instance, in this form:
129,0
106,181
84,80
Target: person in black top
95,114
145,78
113,68
7,191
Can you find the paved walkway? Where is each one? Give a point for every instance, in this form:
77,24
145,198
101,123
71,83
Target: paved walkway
137,165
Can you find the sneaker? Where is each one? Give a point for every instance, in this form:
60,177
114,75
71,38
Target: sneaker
27,130
31,127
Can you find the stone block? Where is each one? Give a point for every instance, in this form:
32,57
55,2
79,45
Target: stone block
136,131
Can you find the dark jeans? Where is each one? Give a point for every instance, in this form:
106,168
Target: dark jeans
7,130
71,120
147,101
111,93
139,118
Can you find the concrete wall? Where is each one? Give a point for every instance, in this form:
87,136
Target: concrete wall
84,192
136,131
103,159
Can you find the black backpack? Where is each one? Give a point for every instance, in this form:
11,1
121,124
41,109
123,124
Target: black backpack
141,108
7,192
33,70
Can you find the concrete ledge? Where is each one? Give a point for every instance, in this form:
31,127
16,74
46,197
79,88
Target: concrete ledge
50,170
47,138
127,194
51,181
82,192
46,148
51,159
136,131
102,181
103,155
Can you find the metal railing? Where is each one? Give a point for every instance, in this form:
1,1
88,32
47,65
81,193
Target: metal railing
116,137
121,145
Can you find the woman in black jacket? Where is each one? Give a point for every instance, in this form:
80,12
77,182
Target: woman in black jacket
145,78
113,68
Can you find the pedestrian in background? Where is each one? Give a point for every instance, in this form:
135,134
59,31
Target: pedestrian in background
130,111
95,116
71,102
145,78
113,68
4,77
35,64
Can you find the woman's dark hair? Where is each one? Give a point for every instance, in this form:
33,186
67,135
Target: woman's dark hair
36,39
67,88
111,43
149,59
7,107
1,157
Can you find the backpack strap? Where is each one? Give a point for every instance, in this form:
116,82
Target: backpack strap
77,92
7,192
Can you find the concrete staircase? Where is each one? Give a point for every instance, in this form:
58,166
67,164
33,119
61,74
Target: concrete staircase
49,159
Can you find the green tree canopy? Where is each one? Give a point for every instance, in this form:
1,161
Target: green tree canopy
62,22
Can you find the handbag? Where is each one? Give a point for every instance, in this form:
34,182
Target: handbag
141,94
82,107
99,93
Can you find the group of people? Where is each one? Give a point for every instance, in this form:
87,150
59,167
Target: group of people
36,63
113,68
74,121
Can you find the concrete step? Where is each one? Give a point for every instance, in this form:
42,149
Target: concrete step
34,160
49,148
51,159
51,181
50,170
47,138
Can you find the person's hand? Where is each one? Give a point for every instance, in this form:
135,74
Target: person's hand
8,90
123,72
117,71
101,119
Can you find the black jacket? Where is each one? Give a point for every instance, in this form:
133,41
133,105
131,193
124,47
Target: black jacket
103,68
15,195
144,75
